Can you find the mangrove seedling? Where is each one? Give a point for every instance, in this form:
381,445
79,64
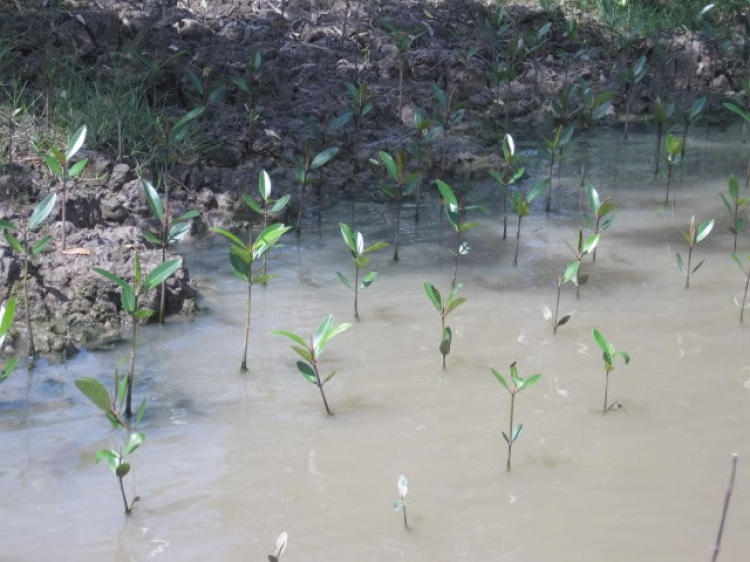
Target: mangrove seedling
7,312
110,404
444,308
206,93
746,121
360,105
241,259
280,548
674,150
737,207
517,384
312,351
663,112
129,297
120,468
173,230
520,202
425,134
26,250
568,276
356,244
302,171
631,76
595,107
450,114
742,305
552,150
400,504
455,210
584,247
608,356
403,40
512,172
269,206
250,85
688,118
58,162
725,508
601,217
692,236
403,185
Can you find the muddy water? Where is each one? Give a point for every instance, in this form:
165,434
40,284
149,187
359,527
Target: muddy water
232,460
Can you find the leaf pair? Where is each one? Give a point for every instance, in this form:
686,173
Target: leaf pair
242,256
444,307
58,160
608,351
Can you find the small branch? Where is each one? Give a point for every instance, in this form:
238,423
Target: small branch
727,497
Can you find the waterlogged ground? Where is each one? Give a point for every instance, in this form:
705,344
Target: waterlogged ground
232,460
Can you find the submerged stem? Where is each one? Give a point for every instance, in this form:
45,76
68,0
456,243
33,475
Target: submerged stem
243,366
606,390
124,498
131,369
510,431
518,241
725,509
557,306
744,298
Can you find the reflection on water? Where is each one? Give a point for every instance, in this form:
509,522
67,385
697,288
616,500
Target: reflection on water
232,460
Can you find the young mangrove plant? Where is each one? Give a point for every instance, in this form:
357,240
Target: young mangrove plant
425,134
360,105
58,162
568,276
356,244
583,248
241,259
737,207
172,231
7,312
400,504
117,461
267,206
688,118
450,114
595,108
281,542
674,151
601,217
129,297
631,76
746,121
312,351
520,202
455,210
552,150
517,384
608,356
512,172
663,112
26,250
403,185
725,509
206,93
742,305
303,172
403,40
692,236
444,308
250,85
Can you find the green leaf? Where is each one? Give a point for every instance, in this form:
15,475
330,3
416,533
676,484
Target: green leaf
344,280
253,204
347,234
601,341
153,199
291,336
368,279
454,304
532,380
238,266
447,192
264,185
42,211
332,332
187,216
571,271
280,204
151,237
303,352
141,411
390,164
340,121
13,242
77,168
112,458
307,372
160,273
187,118
517,432
114,278
7,313
434,295
122,470
445,343
52,164
229,235
41,244
734,109
375,247
501,379
75,143
704,230
324,157
96,392
179,231
135,441
330,376
8,369
7,224
593,196
680,262
143,313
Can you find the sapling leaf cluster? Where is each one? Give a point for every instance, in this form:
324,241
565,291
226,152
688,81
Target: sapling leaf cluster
400,504
689,117
631,76
203,90
673,156
455,210
553,150
663,112
355,243
742,305
601,217
609,354
450,113
583,248
250,85
130,296
241,259
26,248
737,207
568,276
520,202
7,313
58,160
303,169
693,235
512,172
267,206
425,134
595,107
514,385
444,306
311,352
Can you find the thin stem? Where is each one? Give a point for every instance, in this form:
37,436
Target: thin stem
669,182
690,257
124,498
518,241
64,210
627,111
398,221
548,205
684,139
320,386
744,298
584,165
725,509
131,368
32,347
243,366
557,306
659,133
510,430
163,296
406,522
356,292
606,390
458,249
596,231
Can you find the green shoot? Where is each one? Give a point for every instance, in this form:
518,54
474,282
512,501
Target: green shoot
630,77
692,236
688,118
663,112
742,305
517,384
512,172
737,207
400,504
569,276
674,150
444,308
583,248
7,312
552,150
425,134
601,217
595,107
520,202
303,172
250,85
609,354
356,244
311,352
267,206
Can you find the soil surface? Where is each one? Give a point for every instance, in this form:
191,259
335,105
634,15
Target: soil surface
308,55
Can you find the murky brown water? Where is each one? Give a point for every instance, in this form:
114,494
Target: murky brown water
233,460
